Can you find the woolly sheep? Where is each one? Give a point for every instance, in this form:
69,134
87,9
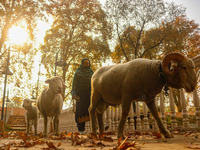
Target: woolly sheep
50,102
139,79
31,115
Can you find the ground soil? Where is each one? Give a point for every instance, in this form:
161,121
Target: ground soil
181,141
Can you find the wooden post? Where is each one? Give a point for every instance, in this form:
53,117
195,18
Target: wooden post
116,117
172,108
162,109
154,123
132,126
139,128
112,118
197,107
146,121
120,111
184,110
109,118
104,119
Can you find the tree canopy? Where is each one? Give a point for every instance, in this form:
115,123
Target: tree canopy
14,12
121,30
180,35
80,30
24,13
135,20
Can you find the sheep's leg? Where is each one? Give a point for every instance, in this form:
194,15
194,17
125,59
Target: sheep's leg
35,127
52,125
45,126
95,99
125,110
56,123
102,107
100,122
28,127
152,106
93,119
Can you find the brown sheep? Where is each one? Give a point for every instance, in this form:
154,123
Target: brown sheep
139,79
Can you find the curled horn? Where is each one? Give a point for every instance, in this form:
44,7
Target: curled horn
166,62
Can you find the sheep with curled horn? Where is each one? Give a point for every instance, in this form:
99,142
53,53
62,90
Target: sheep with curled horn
139,79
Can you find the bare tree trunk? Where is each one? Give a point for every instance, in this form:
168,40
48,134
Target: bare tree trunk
63,76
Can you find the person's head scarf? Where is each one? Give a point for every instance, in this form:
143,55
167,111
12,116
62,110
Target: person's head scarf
82,77
85,70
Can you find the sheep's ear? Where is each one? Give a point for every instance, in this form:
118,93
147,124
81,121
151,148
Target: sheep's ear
32,101
48,81
64,85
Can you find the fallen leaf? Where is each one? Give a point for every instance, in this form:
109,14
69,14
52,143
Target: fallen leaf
50,144
88,144
59,144
80,141
123,142
107,139
93,137
127,145
101,136
157,135
193,145
100,144
119,141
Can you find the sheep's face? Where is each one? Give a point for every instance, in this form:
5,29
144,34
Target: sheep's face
27,103
181,74
55,85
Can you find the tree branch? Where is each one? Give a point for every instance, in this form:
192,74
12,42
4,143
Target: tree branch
121,44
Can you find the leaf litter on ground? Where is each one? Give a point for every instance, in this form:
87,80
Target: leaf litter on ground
133,140
51,145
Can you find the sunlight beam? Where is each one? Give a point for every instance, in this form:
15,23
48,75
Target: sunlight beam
17,35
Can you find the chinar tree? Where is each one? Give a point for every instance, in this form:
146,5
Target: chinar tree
151,29
180,35
25,14
14,12
80,30
136,26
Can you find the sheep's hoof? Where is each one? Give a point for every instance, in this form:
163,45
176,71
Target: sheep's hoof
168,135
106,127
122,137
93,136
45,135
56,134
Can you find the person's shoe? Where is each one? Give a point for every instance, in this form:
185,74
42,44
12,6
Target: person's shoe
106,127
82,132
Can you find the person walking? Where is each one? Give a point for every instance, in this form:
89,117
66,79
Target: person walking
81,91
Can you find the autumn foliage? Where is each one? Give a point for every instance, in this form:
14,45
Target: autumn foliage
181,35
